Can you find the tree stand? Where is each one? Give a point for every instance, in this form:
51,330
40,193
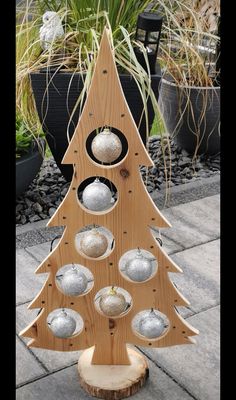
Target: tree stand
112,382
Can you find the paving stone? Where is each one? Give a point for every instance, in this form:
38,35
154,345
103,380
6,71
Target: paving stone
168,245
188,192
194,223
31,226
200,280
41,251
28,284
195,367
52,232
24,317
29,238
65,385
27,367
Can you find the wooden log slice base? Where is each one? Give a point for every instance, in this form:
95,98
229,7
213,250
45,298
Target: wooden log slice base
112,382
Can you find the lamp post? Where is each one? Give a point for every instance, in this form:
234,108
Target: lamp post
148,33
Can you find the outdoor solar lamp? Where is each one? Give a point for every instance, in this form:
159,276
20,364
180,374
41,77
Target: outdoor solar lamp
148,33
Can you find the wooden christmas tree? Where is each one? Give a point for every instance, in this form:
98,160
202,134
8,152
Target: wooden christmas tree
129,220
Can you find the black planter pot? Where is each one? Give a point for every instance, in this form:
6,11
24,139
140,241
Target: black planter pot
192,116
54,107
27,168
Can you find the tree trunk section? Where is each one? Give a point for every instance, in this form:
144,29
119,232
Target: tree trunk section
112,382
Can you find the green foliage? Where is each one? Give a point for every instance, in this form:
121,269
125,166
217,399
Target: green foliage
23,137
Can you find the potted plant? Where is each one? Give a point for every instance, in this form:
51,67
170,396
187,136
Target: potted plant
190,89
29,155
61,74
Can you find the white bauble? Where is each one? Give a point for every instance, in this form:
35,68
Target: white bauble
97,196
74,282
62,325
112,303
151,325
51,30
139,268
106,146
93,243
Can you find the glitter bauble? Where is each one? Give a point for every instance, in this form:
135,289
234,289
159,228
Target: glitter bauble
97,196
139,268
74,282
93,243
112,303
62,325
151,325
106,146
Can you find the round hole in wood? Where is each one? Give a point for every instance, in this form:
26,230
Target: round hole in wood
66,242
110,263
94,242
113,305
122,115
154,290
49,284
103,157
111,333
43,302
88,191
153,219
143,329
136,154
72,304
130,191
90,114
104,71
151,247
71,329
73,188
183,332
64,217
137,265
167,266
49,265
176,300
125,232
74,280
174,327
75,151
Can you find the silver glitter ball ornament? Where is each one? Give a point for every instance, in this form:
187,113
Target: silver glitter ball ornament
97,196
112,303
139,268
74,282
63,325
106,146
151,325
93,243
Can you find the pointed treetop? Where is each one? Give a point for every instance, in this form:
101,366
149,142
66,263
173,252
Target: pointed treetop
106,106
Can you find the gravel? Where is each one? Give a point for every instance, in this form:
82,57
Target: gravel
49,188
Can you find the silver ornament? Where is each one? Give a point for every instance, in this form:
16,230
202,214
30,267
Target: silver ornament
51,30
151,325
93,243
106,146
112,303
73,282
139,268
97,196
62,325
